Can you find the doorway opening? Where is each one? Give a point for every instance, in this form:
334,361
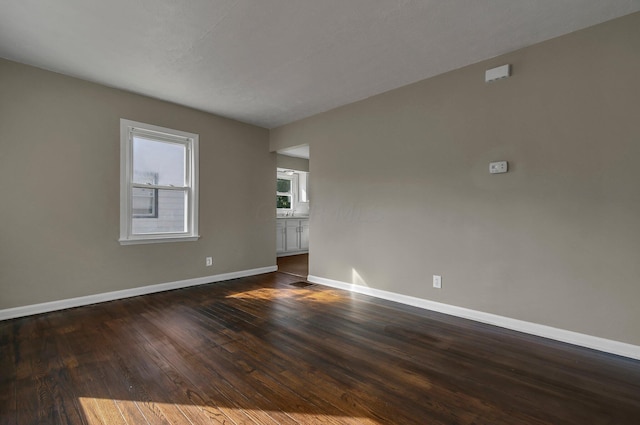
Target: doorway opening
293,211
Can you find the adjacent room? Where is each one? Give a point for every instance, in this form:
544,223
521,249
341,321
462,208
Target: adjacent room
335,212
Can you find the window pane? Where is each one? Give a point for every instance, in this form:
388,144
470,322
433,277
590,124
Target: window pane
156,162
284,186
144,203
170,214
283,201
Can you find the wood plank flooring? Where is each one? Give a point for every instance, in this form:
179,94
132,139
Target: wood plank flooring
260,351
297,265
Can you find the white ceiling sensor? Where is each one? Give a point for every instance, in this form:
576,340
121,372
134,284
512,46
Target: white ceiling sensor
497,73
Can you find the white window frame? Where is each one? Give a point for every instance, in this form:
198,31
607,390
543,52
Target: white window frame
190,140
293,178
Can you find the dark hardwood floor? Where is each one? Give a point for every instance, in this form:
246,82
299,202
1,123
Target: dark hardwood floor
297,265
260,351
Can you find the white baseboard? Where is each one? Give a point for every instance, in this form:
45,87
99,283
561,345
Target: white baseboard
575,338
11,313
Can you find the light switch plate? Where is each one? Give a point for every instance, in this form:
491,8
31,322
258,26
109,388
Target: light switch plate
437,281
498,167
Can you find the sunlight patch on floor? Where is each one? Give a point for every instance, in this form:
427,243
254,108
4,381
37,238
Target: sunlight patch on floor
114,411
269,294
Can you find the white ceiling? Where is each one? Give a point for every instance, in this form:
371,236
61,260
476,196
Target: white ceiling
271,62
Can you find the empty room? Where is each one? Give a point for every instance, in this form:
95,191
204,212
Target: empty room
320,212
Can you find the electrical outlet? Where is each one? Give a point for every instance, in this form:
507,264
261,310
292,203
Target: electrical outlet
209,261
437,281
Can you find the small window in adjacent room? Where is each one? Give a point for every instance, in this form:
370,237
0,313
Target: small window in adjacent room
284,192
158,184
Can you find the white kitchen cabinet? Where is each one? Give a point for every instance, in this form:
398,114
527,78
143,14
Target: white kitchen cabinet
281,245
304,234
292,236
292,232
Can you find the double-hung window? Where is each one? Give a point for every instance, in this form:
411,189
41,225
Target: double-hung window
158,184
284,192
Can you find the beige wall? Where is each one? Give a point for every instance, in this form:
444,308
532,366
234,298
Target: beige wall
292,163
402,189
59,171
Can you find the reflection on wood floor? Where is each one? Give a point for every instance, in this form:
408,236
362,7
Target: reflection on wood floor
259,351
294,264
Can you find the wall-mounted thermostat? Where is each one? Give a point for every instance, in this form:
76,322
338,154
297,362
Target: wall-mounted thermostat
498,167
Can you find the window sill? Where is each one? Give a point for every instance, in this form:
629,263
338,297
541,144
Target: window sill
139,241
